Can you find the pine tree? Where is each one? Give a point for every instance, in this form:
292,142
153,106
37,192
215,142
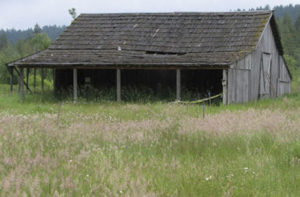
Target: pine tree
37,29
288,35
297,24
3,41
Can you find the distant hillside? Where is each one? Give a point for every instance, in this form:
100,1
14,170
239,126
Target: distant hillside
13,35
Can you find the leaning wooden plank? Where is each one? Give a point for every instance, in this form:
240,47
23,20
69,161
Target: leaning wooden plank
18,73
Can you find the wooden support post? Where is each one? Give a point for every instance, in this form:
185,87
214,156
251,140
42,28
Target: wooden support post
21,81
209,99
118,85
11,79
27,76
42,75
225,87
34,79
178,84
75,85
53,78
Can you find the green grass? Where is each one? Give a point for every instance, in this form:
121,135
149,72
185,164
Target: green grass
50,147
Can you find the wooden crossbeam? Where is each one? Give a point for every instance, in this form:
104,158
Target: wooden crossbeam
19,74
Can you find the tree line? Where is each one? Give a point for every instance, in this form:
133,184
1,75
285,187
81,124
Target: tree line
10,51
288,22
13,35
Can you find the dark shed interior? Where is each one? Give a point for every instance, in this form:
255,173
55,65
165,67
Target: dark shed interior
195,84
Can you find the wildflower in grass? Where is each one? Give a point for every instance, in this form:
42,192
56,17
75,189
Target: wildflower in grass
208,178
230,175
246,169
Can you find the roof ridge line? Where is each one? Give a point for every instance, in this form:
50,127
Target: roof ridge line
182,12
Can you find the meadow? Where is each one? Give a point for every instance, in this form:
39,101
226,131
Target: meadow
57,148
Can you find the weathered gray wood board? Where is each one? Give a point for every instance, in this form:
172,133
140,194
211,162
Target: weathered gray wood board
238,85
284,79
225,86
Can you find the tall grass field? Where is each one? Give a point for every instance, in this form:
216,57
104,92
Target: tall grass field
57,148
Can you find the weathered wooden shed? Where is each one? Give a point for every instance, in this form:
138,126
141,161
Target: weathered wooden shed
237,53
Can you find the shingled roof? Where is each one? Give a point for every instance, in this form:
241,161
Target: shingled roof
154,39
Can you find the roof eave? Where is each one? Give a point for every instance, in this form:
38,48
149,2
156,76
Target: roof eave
17,61
127,65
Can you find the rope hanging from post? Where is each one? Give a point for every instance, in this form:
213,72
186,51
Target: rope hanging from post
199,101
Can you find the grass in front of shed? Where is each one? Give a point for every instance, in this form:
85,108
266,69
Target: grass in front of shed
152,149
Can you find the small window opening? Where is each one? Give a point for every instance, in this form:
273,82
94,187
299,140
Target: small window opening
164,53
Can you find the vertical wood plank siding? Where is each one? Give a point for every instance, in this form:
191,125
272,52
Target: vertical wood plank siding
225,87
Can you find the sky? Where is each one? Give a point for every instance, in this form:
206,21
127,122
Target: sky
23,14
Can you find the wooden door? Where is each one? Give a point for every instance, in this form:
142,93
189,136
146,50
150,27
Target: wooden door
265,75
